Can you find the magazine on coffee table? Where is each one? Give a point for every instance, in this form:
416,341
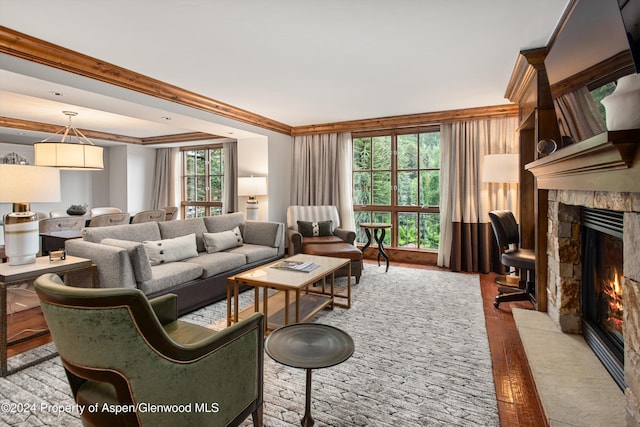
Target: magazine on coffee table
301,266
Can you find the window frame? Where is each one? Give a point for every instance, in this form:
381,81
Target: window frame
210,207
392,238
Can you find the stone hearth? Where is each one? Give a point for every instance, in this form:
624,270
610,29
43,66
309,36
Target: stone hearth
565,273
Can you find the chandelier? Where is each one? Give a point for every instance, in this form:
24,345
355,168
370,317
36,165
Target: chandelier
79,155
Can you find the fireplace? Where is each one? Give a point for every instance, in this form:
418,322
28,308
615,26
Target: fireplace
568,232
601,298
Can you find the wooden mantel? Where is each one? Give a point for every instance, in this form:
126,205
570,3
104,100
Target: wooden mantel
608,161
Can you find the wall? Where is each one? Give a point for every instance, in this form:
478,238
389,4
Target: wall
268,156
141,163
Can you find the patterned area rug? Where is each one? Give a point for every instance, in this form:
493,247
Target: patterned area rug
422,359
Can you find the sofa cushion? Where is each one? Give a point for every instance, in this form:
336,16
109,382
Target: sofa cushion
255,253
137,255
217,262
171,250
171,229
132,232
216,242
315,228
218,223
166,276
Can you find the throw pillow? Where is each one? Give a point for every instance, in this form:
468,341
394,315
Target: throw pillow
216,242
137,255
171,250
314,229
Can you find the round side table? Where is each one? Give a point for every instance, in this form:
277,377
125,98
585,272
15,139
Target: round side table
379,231
309,346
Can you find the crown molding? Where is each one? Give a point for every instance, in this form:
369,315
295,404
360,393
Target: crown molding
36,50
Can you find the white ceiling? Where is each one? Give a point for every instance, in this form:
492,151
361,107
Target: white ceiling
299,62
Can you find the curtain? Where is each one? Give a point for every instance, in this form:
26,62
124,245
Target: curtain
466,237
230,191
165,180
322,166
578,115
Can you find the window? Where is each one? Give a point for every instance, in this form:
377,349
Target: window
396,179
202,181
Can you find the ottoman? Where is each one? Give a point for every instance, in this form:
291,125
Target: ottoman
338,250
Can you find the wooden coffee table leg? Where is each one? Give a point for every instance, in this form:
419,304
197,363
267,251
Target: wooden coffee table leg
307,420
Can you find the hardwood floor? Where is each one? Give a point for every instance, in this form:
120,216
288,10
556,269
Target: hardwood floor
518,402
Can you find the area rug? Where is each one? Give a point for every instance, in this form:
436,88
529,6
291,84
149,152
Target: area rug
421,359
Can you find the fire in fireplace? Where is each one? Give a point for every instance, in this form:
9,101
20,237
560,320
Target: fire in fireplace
601,295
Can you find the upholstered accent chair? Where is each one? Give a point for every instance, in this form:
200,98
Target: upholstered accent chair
118,348
324,238
172,212
61,223
110,219
512,255
156,215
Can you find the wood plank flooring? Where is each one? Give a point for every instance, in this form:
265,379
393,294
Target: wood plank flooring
518,402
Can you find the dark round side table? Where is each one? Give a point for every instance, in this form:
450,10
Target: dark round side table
379,231
309,346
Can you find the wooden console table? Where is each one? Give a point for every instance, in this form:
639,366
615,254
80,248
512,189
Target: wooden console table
14,275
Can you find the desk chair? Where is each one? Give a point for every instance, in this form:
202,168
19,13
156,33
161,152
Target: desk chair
506,231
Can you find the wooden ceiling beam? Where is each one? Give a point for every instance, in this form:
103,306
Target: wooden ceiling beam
180,137
12,123
397,122
40,51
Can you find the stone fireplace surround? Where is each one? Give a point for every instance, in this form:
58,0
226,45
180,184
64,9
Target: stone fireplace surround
565,271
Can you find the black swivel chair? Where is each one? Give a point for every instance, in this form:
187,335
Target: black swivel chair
505,229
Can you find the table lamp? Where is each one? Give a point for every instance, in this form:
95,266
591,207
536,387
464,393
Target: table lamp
21,185
502,168
252,186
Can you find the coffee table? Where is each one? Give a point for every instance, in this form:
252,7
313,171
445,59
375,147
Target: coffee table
309,346
295,300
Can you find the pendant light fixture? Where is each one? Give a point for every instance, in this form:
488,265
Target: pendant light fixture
79,155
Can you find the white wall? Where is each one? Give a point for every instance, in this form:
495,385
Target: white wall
141,163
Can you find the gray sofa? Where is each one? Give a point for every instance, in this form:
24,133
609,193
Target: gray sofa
191,258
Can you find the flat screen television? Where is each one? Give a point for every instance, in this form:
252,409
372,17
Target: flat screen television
594,32
630,11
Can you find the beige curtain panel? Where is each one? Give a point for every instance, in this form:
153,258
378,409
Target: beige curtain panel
466,237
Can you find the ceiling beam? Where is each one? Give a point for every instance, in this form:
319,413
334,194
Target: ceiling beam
28,125
36,50
411,120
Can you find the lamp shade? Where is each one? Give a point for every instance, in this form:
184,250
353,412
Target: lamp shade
69,156
252,186
500,168
22,183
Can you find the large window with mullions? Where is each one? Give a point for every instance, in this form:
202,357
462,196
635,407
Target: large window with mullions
396,180
202,181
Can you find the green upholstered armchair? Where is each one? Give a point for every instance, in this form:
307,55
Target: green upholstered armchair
131,355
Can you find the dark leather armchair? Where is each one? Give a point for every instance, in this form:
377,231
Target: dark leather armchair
120,349
523,261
